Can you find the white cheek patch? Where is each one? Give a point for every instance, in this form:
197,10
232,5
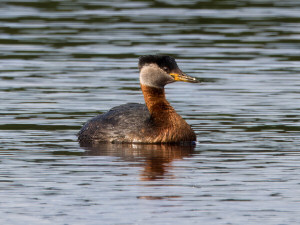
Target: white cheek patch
151,75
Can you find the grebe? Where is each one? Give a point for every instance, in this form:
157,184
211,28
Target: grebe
155,122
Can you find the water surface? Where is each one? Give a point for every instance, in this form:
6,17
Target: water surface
63,62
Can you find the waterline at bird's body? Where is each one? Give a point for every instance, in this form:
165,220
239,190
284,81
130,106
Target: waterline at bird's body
155,122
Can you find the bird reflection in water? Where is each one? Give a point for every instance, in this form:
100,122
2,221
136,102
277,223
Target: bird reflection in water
156,160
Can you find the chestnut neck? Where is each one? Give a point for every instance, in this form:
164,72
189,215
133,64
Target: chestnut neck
157,103
169,126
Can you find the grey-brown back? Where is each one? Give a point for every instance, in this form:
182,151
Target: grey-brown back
116,124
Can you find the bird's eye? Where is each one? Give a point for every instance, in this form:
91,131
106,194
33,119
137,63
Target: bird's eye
166,69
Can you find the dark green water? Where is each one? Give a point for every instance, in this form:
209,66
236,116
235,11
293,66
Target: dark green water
62,62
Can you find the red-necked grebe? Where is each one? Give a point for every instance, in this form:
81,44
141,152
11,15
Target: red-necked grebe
155,122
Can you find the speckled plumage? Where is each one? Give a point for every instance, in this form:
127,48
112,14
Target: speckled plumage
116,125
155,122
